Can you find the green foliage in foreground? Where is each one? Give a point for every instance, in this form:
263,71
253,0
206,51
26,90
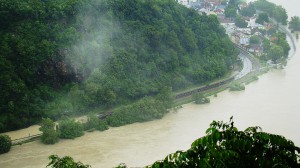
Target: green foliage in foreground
5,143
70,129
199,98
65,162
50,135
225,146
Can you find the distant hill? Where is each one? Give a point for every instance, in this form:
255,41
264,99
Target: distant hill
62,57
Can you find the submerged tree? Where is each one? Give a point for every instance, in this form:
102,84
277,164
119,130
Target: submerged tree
5,143
199,98
70,129
50,135
294,24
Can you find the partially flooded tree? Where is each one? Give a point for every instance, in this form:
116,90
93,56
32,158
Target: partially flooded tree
199,98
5,143
49,136
294,24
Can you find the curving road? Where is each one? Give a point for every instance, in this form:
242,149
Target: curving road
247,66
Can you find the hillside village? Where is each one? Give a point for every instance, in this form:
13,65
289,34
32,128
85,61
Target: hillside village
252,36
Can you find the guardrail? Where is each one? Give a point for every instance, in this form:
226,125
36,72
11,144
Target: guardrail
26,139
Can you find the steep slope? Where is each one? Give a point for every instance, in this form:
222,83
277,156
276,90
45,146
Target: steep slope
64,57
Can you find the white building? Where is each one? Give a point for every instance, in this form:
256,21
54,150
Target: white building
186,2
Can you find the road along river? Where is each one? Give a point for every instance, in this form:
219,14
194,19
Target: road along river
272,102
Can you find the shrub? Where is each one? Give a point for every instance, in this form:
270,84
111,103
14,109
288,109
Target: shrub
50,135
70,129
236,87
143,110
5,143
199,98
102,126
94,122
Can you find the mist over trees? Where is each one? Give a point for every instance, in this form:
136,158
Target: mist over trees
60,58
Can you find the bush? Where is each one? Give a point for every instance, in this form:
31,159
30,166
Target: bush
5,143
50,135
236,87
70,129
94,122
199,98
102,126
143,110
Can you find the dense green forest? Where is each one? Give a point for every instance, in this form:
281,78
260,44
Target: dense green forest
65,57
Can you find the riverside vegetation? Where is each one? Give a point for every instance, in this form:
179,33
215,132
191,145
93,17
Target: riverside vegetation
64,58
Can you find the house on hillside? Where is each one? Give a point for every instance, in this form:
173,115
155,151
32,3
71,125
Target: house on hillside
246,31
187,3
184,2
256,49
244,41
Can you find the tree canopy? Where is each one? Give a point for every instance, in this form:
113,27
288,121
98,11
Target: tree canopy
5,144
262,17
50,135
274,11
254,39
248,11
294,24
65,162
240,22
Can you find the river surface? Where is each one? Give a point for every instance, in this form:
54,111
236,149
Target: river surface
272,102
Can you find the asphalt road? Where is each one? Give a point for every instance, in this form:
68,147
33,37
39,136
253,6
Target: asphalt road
247,66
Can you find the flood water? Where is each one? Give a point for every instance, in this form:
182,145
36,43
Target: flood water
272,102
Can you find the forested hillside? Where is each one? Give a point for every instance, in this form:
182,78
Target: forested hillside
64,57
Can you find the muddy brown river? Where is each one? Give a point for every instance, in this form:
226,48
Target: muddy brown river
272,102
